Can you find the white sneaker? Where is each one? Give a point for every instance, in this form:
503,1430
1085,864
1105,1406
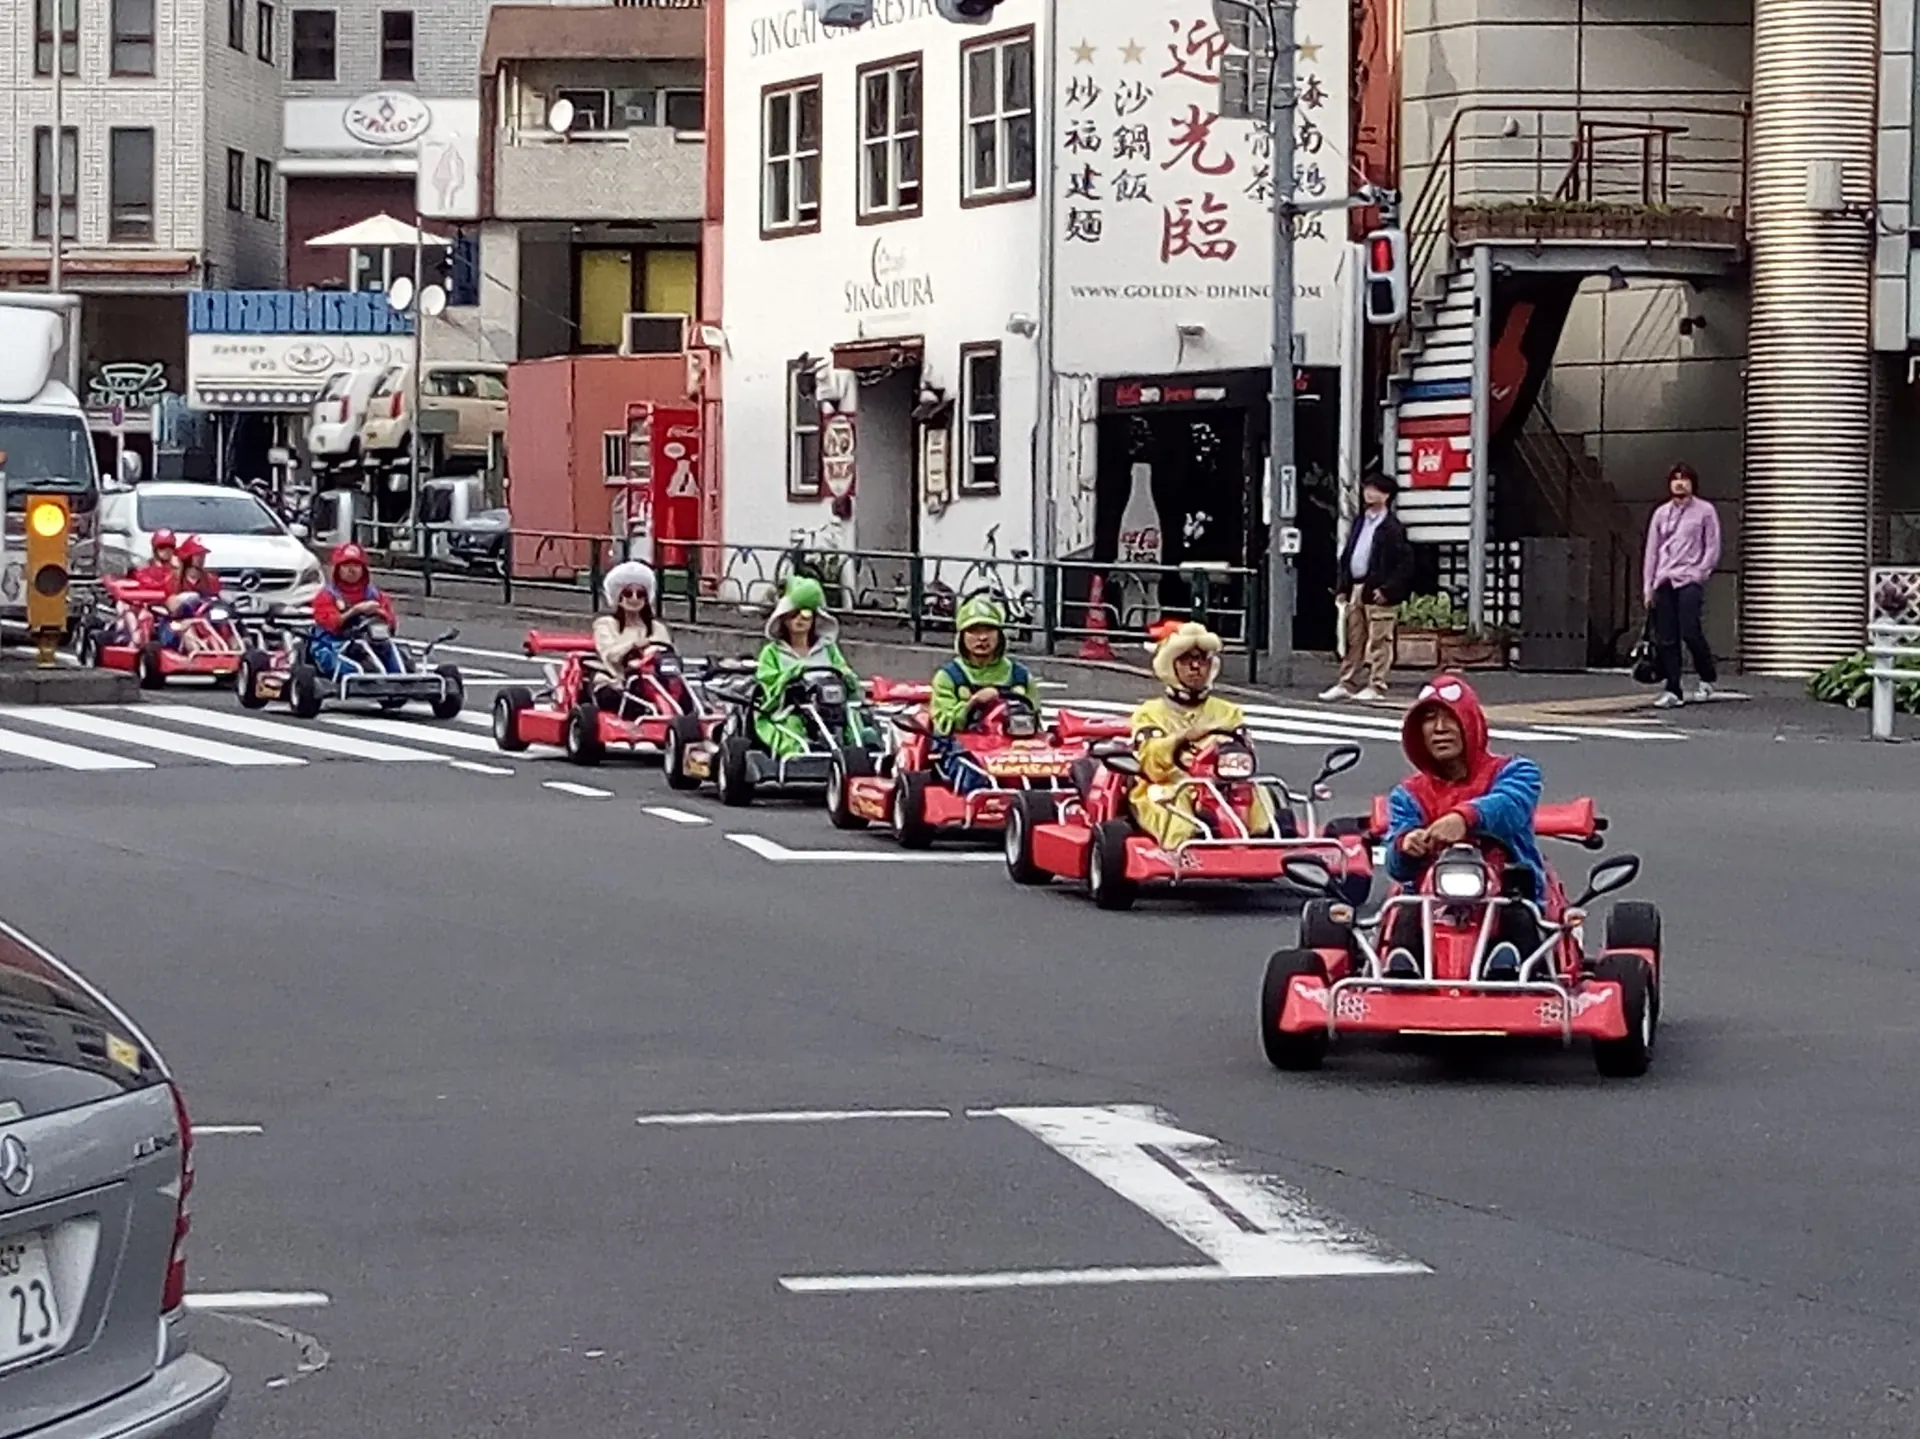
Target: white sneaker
1369,696
1337,692
1702,692
1668,701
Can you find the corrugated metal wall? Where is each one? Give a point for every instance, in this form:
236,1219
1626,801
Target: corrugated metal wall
1809,407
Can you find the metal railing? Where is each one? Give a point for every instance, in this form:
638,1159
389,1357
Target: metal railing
889,594
1689,158
1893,661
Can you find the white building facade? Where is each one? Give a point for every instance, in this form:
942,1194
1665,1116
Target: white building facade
1027,266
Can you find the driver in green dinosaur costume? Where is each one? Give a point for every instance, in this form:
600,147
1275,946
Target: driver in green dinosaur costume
801,636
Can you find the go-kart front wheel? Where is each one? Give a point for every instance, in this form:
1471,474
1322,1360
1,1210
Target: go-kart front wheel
1631,1057
303,691
582,739
1107,878
683,733
152,676
910,810
506,718
1289,1049
246,684
453,693
732,778
848,764
1030,808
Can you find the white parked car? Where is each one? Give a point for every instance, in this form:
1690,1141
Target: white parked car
248,546
333,427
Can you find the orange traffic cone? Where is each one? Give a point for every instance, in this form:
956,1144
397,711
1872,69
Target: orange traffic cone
1095,646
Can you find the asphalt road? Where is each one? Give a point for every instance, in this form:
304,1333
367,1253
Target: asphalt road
445,997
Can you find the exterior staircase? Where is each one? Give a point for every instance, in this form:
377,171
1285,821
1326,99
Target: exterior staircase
1432,399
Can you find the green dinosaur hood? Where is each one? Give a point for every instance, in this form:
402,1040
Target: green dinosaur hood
804,593
974,611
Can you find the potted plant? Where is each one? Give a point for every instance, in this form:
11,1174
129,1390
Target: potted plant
1432,633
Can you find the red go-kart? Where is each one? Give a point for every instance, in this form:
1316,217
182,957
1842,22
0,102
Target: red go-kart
1095,840
130,640
659,712
1002,742
1343,978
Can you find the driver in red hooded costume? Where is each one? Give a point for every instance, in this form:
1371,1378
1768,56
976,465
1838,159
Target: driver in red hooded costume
350,595
1461,792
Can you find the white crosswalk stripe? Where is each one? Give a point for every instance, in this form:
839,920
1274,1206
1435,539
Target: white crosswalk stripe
1313,726
64,756
146,737
297,735
420,733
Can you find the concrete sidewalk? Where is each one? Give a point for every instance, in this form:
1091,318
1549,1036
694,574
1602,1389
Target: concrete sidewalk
1746,705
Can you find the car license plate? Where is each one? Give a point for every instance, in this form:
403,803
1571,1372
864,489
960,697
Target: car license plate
29,1312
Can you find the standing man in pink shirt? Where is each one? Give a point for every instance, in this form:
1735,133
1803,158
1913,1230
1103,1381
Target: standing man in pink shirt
1683,548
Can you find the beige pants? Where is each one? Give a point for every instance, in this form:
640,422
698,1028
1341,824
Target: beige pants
1369,642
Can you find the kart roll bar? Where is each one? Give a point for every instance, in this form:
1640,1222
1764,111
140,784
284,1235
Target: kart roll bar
555,642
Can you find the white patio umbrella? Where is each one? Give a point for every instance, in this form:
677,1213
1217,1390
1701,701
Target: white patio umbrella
381,232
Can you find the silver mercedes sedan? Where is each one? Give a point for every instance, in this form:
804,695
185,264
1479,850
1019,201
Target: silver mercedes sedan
96,1170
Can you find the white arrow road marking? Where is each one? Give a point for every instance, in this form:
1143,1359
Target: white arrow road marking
584,791
707,1119
780,854
674,816
256,1299
1250,1225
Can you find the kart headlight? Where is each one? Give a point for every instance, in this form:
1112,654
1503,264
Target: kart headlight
1467,882
666,665
832,695
379,632
1236,764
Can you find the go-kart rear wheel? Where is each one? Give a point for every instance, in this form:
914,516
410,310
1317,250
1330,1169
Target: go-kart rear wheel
1320,930
152,677
1030,808
839,809
246,684
910,825
1629,1058
732,779
506,718
303,691
683,732
582,739
1107,878
87,651
1287,1049
453,693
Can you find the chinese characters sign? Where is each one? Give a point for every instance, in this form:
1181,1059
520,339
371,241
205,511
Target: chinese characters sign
1164,208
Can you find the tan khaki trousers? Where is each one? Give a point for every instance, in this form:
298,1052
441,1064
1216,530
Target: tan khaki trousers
1369,631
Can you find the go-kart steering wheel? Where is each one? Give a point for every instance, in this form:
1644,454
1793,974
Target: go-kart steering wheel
1182,750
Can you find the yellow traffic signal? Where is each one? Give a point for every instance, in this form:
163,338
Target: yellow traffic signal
48,521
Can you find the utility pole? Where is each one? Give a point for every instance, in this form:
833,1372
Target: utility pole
55,278
1282,491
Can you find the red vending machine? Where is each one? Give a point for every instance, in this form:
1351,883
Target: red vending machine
665,481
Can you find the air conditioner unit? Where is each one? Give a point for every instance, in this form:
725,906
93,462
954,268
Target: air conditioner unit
644,334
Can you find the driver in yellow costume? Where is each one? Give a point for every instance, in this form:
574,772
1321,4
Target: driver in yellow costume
1186,660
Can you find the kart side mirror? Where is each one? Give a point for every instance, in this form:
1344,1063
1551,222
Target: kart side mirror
1608,876
446,636
1339,760
1309,873
1127,764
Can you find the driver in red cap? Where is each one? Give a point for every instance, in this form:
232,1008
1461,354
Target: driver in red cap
157,573
349,596
1463,793
189,590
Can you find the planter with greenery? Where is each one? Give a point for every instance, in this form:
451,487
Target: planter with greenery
1846,682
1592,220
1431,633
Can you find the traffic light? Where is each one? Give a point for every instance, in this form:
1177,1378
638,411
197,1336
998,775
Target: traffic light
49,520
1386,294
966,12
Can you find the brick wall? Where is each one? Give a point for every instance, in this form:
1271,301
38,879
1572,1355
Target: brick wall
242,113
447,35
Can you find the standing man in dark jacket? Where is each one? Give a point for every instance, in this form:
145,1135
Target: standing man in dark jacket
1376,576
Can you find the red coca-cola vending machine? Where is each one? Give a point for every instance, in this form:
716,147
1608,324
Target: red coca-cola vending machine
665,481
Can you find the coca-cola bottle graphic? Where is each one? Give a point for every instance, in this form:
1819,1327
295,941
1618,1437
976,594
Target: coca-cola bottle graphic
1140,544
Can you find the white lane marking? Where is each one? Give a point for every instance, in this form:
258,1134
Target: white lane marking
1002,1279
64,756
703,1119
584,791
144,737
486,654
1346,726
319,739
674,816
472,768
425,734
212,1131
1250,1225
478,721
256,1299
780,854
1587,731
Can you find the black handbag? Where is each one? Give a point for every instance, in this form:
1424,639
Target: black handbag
1646,659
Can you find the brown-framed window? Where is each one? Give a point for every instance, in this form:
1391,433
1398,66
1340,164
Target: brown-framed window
313,45
69,36
236,180
803,430
889,139
130,185
396,44
790,158
43,183
263,32
262,189
980,419
132,52
997,113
